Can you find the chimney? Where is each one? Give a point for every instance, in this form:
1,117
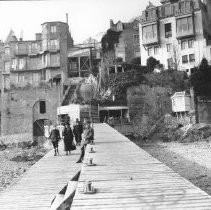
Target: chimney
21,36
38,36
67,18
111,23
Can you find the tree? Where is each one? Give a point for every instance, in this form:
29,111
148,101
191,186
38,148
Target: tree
151,64
200,80
175,57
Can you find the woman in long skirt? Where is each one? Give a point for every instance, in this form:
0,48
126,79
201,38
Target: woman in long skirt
68,138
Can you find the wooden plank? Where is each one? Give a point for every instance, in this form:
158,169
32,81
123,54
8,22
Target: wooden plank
126,177
39,185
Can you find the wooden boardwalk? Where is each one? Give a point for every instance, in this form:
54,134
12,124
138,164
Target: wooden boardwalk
126,177
38,186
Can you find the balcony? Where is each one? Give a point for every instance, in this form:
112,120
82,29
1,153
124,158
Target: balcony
21,52
5,72
150,35
15,68
34,51
184,8
149,16
53,48
185,27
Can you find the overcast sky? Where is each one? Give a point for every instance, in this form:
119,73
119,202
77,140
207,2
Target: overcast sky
86,17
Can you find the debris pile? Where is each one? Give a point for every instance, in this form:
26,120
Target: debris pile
173,130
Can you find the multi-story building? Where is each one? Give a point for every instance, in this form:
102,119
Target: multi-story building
176,33
33,74
127,44
32,62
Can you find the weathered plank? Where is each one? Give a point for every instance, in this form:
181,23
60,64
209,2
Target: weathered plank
39,185
126,177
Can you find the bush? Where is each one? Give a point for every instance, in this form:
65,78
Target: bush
152,63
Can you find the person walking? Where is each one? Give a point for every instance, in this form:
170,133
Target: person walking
77,131
68,138
88,138
55,137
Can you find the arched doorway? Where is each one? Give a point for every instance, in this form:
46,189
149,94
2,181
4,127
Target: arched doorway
38,127
41,115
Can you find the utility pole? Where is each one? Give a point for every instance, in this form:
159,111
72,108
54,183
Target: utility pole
90,73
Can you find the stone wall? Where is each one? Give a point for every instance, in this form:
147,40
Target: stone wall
19,109
204,111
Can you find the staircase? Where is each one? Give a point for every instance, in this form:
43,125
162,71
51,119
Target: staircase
68,94
95,114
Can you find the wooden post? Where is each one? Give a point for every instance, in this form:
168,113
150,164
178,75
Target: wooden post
121,116
79,66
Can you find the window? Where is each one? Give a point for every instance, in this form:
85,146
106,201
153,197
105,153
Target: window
184,24
192,57
136,39
14,63
184,59
54,59
21,78
156,50
136,25
149,32
137,53
169,47
7,67
43,75
7,51
21,63
190,43
45,61
35,77
42,107
150,51
53,29
183,45
168,31
54,44
170,63
119,26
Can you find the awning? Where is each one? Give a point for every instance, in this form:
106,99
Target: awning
107,108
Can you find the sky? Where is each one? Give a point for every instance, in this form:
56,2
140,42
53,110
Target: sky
87,18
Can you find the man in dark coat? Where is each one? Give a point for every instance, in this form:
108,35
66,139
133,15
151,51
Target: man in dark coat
55,137
78,130
88,138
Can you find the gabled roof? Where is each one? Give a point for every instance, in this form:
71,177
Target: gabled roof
11,37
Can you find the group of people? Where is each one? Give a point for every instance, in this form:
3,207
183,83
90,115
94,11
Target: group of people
68,137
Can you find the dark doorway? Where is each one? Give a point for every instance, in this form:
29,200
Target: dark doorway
38,127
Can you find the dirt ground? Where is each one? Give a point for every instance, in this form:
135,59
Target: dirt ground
15,161
191,161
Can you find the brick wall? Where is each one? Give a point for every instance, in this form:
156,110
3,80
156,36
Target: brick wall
17,109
